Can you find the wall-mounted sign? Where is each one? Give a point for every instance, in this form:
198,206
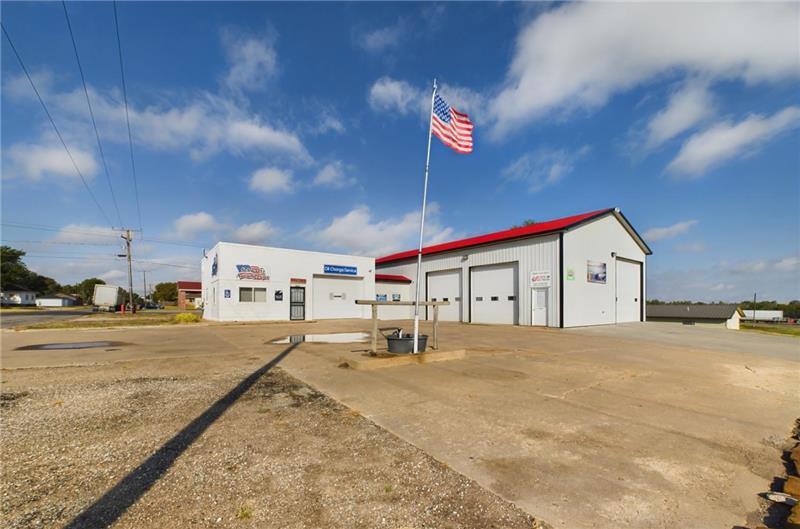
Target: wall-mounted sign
298,280
279,295
256,273
541,279
214,266
227,293
595,272
570,274
380,297
395,297
337,295
338,269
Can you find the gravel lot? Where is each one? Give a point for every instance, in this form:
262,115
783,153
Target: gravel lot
281,455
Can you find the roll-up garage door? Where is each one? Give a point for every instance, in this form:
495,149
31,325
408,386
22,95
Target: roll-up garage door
629,291
494,294
445,286
335,297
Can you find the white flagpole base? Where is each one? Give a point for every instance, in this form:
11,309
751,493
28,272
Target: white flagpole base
416,334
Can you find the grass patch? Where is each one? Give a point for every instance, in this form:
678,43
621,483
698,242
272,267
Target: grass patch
186,317
244,513
786,330
105,320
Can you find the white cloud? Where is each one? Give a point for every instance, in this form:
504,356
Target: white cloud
725,141
333,175
392,95
544,167
113,276
255,233
357,232
669,232
253,61
88,234
380,40
38,161
272,180
579,55
687,106
328,122
788,264
203,125
188,226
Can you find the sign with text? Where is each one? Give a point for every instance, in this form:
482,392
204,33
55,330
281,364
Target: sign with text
253,272
595,272
541,279
227,293
342,270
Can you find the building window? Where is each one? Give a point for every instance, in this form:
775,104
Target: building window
248,295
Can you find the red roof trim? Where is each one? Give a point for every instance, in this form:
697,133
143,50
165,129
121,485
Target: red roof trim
190,285
392,278
540,228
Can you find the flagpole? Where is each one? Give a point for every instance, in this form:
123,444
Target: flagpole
422,222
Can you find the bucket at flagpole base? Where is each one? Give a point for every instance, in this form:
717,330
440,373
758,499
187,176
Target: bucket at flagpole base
399,343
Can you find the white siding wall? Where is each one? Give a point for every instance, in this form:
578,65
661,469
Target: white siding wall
388,288
281,265
533,255
588,303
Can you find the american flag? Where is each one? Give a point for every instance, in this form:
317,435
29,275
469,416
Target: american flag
451,126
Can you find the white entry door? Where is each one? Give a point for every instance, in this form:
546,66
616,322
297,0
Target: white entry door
493,294
445,286
539,308
629,291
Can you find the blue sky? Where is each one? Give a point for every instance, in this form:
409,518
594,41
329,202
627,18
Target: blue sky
304,126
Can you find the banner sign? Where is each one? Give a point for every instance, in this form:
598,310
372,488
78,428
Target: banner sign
541,279
595,272
214,266
343,270
256,273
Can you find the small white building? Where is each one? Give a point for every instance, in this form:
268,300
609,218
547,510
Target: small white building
763,315
57,300
15,295
243,282
587,269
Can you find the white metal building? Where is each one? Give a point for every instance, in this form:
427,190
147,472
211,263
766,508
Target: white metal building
586,269
763,315
242,282
58,300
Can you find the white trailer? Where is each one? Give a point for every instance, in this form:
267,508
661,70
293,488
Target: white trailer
108,297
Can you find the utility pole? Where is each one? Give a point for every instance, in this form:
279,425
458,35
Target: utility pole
144,280
754,307
128,238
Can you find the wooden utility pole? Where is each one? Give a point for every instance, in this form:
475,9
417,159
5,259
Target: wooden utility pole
144,280
128,238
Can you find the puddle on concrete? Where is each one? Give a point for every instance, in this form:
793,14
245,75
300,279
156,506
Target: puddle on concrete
69,345
339,337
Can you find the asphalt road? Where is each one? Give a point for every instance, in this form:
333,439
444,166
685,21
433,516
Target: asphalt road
10,319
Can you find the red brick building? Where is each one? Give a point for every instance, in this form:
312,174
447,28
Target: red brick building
190,294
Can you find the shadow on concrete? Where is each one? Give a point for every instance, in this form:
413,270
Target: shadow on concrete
113,504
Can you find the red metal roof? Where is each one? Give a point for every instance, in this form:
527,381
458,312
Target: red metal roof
392,277
190,285
540,228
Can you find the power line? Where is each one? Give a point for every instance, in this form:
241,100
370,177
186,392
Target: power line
59,243
127,118
53,123
91,112
43,227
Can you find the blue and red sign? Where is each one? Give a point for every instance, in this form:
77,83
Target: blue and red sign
256,273
338,269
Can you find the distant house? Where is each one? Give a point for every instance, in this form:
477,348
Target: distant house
190,294
17,295
763,315
727,316
57,300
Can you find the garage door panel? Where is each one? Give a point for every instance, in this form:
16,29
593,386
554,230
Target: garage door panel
629,291
335,297
494,294
445,286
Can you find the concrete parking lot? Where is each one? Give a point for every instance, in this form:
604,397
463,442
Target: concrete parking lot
611,427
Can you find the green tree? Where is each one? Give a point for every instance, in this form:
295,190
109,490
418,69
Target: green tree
13,271
165,292
85,289
526,222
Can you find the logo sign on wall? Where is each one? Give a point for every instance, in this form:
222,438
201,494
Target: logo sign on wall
541,279
595,272
256,273
342,270
227,293
214,266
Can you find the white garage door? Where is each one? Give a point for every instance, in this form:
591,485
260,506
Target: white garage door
445,286
493,294
629,291
335,297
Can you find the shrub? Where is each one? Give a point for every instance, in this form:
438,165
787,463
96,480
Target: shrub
186,317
